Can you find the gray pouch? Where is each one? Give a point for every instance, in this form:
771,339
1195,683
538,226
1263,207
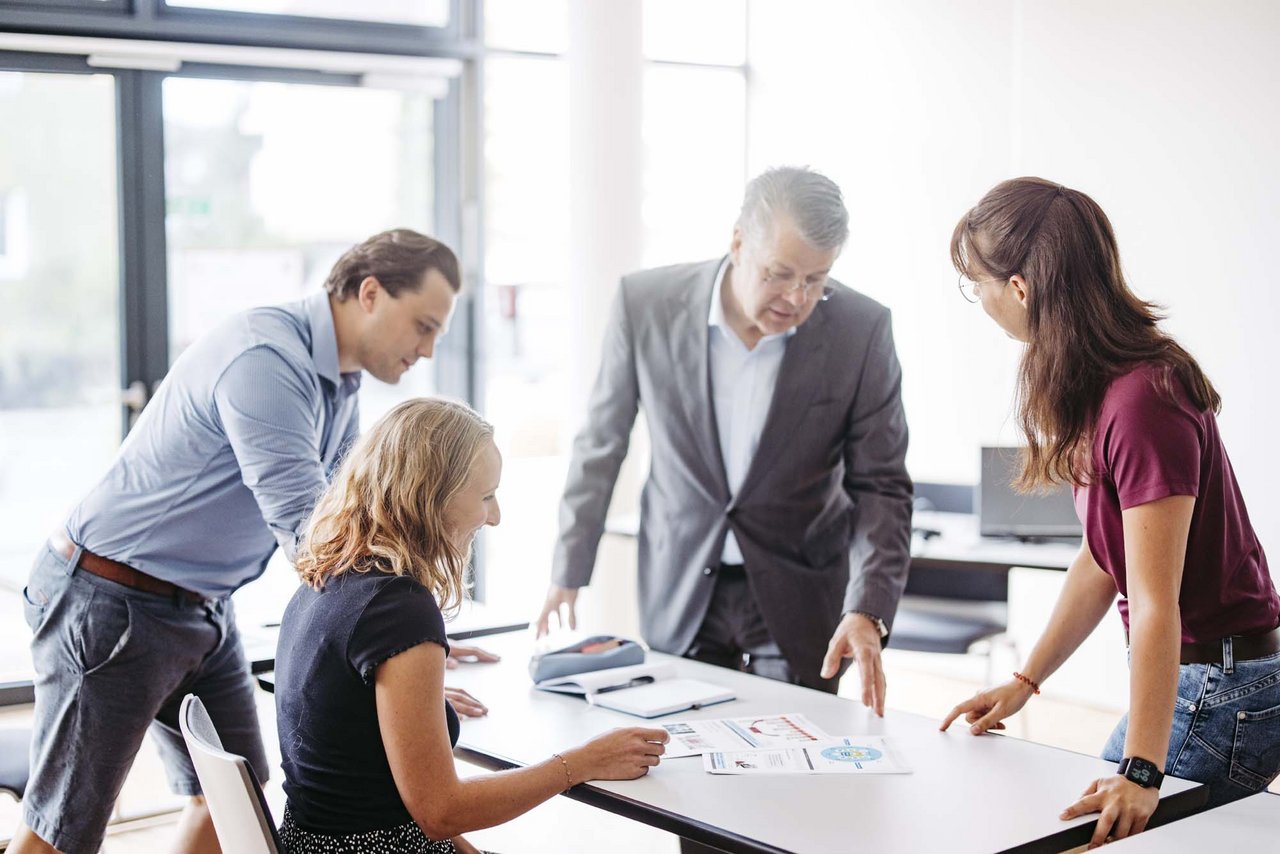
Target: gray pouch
594,653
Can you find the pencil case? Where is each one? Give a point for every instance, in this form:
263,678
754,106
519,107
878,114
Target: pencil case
597,652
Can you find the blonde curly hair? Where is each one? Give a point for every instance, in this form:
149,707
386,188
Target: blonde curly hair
386,505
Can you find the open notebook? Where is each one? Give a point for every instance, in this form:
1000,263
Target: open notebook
644,690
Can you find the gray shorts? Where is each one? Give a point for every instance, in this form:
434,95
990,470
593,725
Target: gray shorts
112,662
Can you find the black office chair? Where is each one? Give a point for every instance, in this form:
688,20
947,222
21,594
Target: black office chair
947,610
15,761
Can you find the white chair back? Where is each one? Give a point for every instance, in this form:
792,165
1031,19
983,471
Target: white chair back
231,790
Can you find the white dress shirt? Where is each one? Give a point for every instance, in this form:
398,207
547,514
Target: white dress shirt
742,383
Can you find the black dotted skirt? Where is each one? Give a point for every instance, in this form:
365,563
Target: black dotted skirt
404,839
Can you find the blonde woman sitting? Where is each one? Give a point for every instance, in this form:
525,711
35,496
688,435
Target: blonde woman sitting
366,733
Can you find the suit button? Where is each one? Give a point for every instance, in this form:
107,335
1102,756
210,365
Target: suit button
706,570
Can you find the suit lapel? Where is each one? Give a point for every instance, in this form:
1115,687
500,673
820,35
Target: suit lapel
800,377
691,372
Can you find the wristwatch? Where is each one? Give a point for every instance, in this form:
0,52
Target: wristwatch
1136,770
879,623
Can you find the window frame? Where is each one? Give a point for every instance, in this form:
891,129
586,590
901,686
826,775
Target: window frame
141,193
155,19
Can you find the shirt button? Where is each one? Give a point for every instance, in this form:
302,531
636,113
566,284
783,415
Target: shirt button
706,570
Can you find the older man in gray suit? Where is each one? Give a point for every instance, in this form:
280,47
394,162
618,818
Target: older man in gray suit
775,523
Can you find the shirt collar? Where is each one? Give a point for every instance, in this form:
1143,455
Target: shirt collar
716,318
324,343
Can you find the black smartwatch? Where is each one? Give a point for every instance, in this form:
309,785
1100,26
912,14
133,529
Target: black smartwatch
1140,771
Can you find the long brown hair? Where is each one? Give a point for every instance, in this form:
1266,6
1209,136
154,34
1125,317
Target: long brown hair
385,507
1085,327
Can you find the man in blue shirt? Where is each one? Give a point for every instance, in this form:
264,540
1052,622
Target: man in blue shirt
130,604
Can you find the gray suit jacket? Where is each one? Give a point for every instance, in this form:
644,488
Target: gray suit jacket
827,489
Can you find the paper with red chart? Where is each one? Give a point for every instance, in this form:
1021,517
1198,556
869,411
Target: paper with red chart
691,738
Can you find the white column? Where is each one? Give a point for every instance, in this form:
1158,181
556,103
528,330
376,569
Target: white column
605,234
606,162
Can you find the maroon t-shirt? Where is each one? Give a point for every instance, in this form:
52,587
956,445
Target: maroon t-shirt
1147,448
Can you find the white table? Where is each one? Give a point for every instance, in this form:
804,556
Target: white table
1248,825
966,794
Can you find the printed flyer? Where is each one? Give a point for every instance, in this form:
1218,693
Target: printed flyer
690,738
869,754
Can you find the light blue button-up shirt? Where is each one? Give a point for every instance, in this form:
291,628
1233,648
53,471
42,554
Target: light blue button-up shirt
228,459
742,383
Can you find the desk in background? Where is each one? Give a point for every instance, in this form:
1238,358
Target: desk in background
959,545
956,545
474,620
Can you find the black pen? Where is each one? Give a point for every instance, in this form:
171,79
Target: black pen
639,680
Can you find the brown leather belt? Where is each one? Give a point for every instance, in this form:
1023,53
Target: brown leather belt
1243,648
120,573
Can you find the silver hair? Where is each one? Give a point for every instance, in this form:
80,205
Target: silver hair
810,200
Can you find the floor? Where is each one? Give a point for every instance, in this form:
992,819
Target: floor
920,683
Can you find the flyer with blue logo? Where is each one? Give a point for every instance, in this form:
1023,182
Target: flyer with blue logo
871,754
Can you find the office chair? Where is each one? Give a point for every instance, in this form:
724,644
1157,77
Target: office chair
15,767
950,610
15,761
231,791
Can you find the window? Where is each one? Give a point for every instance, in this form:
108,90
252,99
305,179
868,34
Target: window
422,13
694,161
15,237
139,206
60,351
536,26
705,32
693,123
267,184
527,361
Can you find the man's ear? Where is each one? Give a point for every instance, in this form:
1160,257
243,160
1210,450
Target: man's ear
735,247
368,293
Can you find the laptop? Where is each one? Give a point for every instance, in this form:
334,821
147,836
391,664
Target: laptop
1004,512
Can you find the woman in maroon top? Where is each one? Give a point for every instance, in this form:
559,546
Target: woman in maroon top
1111,404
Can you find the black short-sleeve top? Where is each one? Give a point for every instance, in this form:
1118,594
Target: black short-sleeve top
336,774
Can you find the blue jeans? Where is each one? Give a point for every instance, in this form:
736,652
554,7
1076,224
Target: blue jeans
1226,728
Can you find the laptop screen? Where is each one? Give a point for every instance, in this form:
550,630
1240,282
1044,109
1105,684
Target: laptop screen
1003,512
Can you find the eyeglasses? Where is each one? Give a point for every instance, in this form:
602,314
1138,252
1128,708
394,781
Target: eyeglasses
783,284
968,286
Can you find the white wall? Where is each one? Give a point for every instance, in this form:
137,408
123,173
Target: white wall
1166,113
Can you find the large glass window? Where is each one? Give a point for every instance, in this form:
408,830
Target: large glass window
693,124
267,184
526,266
695,161
539,26
422,13
705,32
60,348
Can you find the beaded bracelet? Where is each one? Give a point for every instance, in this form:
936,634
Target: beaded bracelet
1035,686
568,779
